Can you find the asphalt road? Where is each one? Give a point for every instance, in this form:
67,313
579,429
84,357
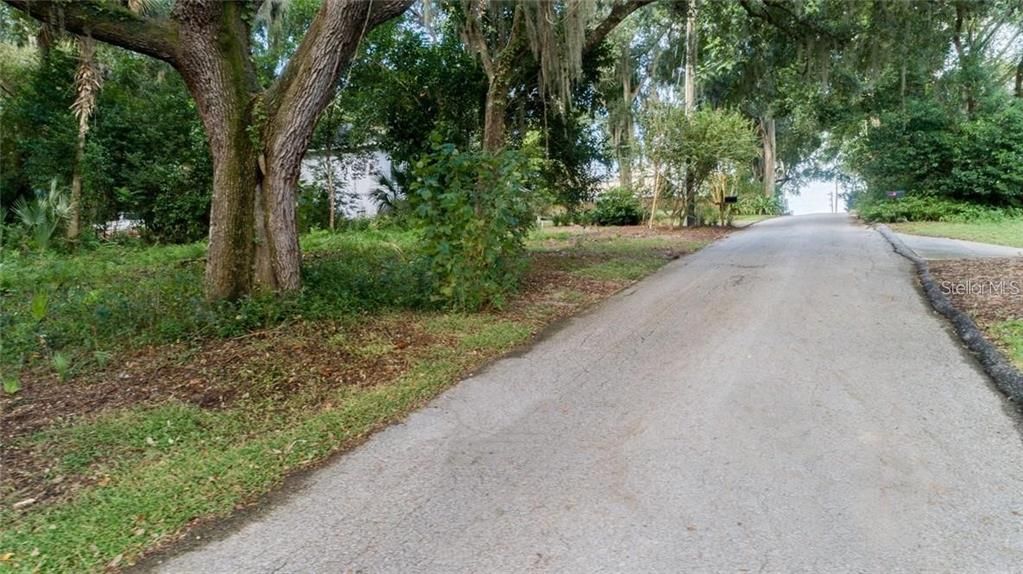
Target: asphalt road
782,401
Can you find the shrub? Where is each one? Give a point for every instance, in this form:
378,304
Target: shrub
42,217
930,151
475,209
760,204
617,206
928,208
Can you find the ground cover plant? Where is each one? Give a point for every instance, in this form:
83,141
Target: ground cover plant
172,427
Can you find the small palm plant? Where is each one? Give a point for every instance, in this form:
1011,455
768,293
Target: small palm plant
42,216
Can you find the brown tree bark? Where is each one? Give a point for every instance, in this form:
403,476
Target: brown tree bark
495,114
257,136
768,143
689,201
74,222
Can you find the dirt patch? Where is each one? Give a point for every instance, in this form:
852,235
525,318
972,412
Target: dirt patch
309,359
990,290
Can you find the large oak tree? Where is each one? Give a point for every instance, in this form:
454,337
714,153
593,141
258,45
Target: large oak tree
257,135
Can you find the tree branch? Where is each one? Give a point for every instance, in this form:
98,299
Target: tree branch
618,13
472,35
107,22
309,81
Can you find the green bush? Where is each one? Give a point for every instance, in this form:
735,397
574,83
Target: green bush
928,208
928,150
475,209
617,206
760,204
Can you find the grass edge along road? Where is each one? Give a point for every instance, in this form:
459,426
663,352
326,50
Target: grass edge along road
1007,232
109,486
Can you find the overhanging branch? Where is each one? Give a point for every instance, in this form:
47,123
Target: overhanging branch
107,22
618,13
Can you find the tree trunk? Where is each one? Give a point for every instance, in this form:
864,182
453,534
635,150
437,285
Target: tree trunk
689,199
689,205
257,137
625,159
215,66
625,138
657,189
495,115
691,44
74,223
768,141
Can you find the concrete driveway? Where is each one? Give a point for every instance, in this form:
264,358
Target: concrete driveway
782,401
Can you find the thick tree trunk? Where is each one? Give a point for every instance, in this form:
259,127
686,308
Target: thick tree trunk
257,137
74,223
768,142
495,115
215,65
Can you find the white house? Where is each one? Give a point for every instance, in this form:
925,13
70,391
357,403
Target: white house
355,177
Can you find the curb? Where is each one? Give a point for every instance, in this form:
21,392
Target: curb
1005,376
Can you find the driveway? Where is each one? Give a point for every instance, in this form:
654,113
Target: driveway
782,401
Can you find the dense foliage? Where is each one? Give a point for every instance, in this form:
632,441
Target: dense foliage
145,157
617,206
114,297
949,167
475,209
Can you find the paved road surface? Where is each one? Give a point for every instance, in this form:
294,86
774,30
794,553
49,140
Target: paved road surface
782,401
945,248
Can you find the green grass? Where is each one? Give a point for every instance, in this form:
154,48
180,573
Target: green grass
1008,232
742,220
1010,336
149,471
115,298
176,462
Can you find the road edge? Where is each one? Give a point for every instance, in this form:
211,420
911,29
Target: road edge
1006,377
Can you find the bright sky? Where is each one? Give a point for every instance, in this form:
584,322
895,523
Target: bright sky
814,198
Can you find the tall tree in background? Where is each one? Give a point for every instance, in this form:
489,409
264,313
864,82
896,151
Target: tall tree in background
88,79
556,34
257,134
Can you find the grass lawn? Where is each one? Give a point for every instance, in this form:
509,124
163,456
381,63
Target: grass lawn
143,411
1009,335
744,220
1008,232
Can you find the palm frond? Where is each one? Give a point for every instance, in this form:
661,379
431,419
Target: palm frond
88,80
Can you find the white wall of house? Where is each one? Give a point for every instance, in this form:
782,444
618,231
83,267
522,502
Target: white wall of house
355,178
